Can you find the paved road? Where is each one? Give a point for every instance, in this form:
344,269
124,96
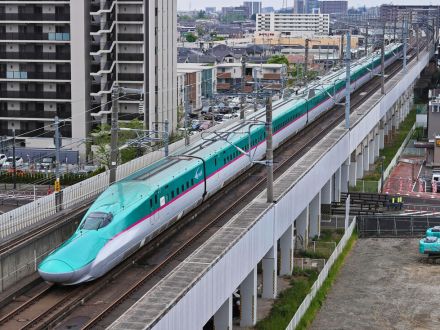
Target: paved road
383,285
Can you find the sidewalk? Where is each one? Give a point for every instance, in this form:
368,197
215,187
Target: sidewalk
403,180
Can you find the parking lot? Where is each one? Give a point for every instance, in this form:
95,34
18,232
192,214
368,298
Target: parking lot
384,284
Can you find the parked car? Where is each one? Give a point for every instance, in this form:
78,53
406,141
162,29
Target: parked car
10,162
3,158
47,163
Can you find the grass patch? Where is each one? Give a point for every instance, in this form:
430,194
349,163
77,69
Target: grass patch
390,149
331,235
322,251
366,186
323,291
289,300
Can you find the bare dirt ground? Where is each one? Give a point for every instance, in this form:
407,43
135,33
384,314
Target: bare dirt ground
384,284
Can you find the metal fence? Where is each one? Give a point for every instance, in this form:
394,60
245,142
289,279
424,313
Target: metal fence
334,221
307,263
395,226
321,278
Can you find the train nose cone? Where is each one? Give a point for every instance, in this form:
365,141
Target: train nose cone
56,271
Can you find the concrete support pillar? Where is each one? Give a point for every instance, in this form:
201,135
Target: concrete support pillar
353,169
326,192
315,216
345,170
337,185
248,300
371,151
223,317
366,158
270,264
360,166
287,246
302,228
381,139
376,145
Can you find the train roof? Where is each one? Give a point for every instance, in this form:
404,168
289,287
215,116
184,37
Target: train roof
166,169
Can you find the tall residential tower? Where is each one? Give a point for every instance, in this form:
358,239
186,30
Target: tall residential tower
63,58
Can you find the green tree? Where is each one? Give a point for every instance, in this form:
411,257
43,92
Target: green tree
278,59
190,37
201,14
101,141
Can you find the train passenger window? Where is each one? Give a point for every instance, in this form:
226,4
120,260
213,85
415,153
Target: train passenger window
183,187
151,202
177,191
172,194
187,184
155,198
215,161
192,182
96,220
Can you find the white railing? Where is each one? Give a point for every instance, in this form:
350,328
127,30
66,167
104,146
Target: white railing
321,278
16,220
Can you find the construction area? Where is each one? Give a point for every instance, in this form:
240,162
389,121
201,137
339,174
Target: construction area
384,284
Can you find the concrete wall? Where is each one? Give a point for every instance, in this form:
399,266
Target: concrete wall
22,261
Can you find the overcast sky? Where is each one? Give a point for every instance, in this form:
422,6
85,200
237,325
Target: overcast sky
195,4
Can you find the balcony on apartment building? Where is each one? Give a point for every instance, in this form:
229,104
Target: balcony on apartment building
272,76
127,17
131,76
130,57
35,55
130,37
224,75
23,114
52,36
66,131
22,94
34,75
65,17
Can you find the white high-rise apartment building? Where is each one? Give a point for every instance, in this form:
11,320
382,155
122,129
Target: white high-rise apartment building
294,24
63,57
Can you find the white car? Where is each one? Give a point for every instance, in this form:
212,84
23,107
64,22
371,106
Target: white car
3,158
10,162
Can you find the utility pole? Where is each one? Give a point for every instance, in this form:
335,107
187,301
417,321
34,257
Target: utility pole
57,154
342,48
269,150
404,44
306,60
186,115
256,88
366,39
382,63
166,138
14,163
417,41
348,81
243,84
395,27
114,134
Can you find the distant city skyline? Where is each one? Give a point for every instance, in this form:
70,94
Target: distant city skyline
200,4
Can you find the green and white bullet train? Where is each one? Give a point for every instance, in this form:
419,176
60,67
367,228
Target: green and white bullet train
133,211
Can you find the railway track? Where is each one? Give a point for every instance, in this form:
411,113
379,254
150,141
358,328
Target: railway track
147,266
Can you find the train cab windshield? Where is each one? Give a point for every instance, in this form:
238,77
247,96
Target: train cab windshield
96,220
